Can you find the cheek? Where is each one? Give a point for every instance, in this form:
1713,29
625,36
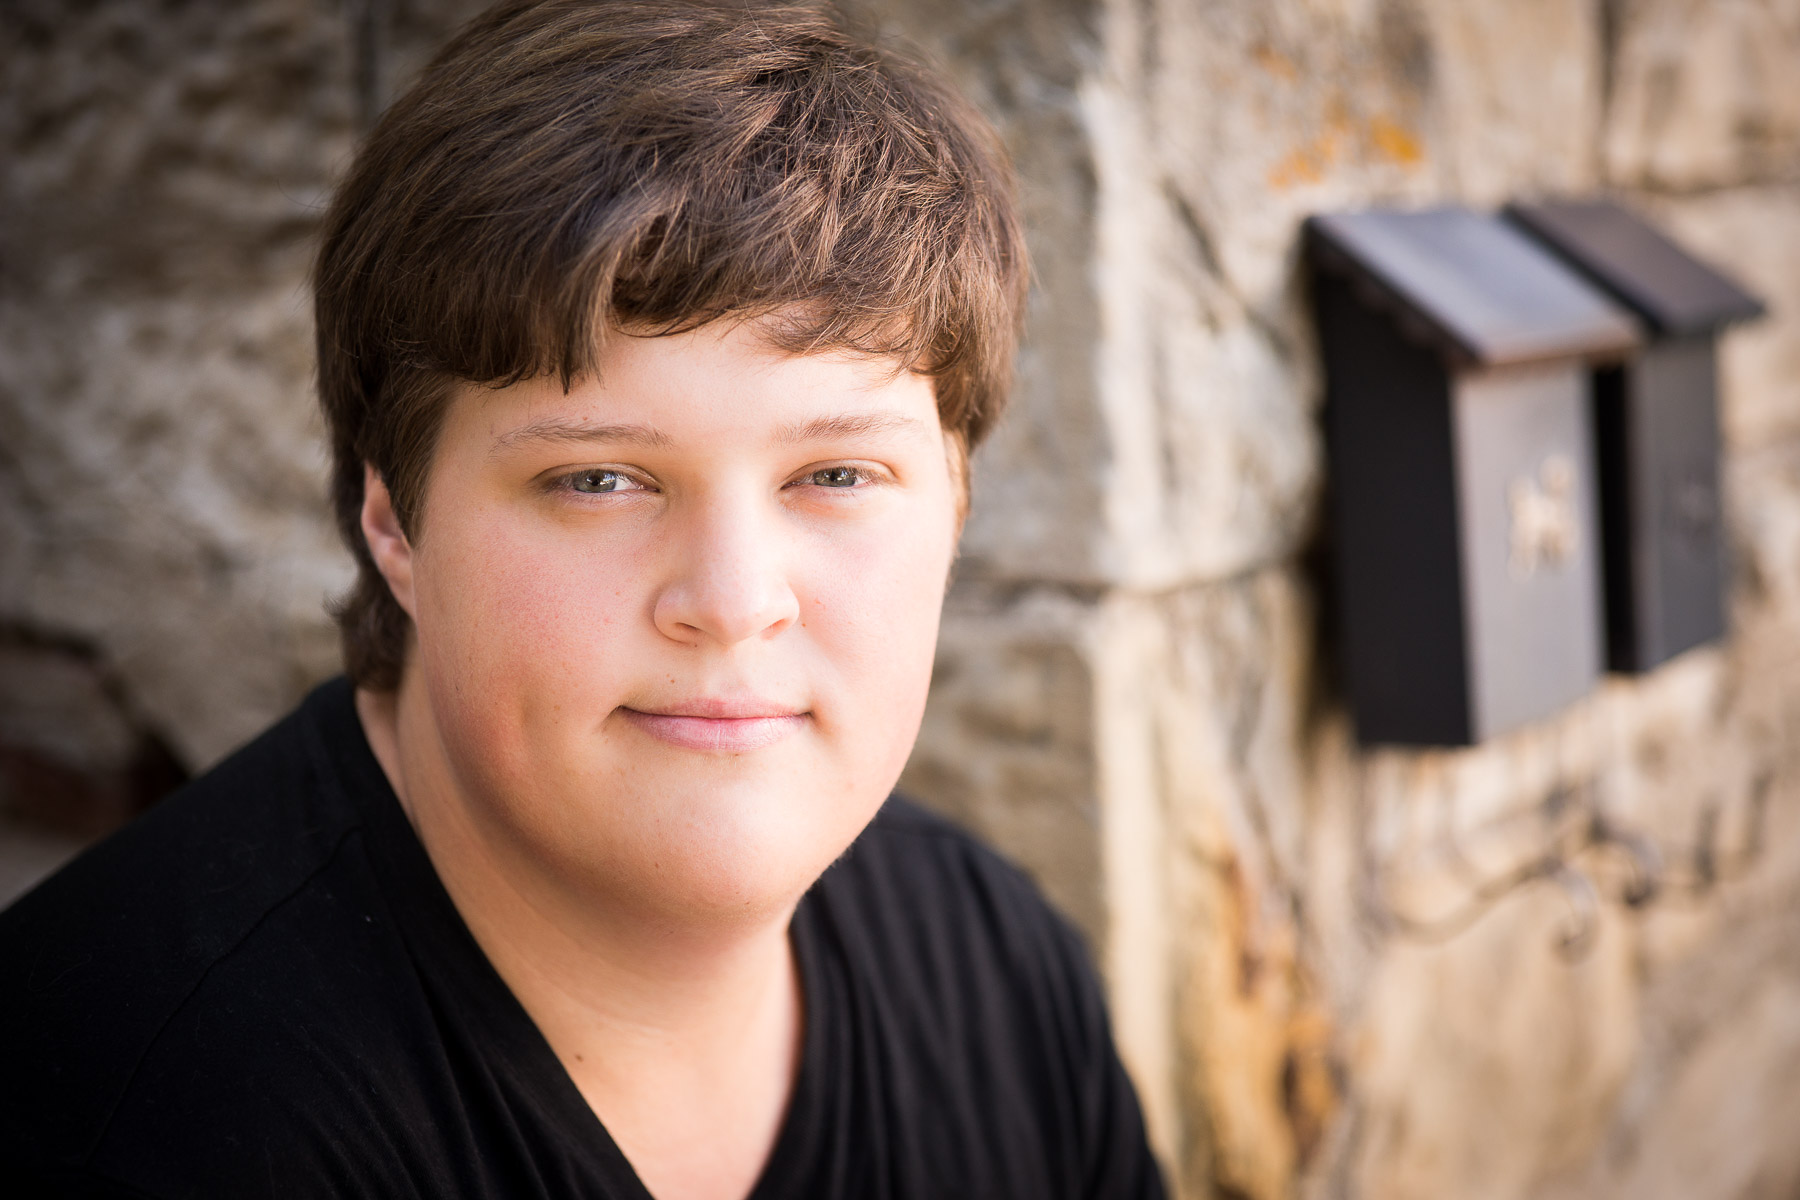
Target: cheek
520,634
875,617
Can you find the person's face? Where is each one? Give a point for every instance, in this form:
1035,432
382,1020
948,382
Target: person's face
676,626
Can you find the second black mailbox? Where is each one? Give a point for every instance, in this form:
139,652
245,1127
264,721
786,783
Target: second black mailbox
1463,508
1657,424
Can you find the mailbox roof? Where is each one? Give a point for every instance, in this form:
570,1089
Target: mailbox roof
1475,284
1674,292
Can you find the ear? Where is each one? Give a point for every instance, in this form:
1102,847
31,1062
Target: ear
392,553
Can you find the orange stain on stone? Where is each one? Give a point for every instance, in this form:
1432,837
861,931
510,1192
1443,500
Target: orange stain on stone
1382,139
1275,62
1299,167
1395,143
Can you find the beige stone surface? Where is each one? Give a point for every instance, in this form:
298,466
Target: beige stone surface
1232,673
1763,496
174,503
1703,93
1489,1059
1517,93
1715,1088
159,454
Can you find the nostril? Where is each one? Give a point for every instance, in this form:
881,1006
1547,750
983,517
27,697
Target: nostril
727,582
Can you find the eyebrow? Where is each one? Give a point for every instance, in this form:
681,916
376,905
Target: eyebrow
848,425
562,429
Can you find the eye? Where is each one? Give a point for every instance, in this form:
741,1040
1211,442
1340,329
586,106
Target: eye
836,477
596,480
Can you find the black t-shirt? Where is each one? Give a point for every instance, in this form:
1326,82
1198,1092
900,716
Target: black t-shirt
262,989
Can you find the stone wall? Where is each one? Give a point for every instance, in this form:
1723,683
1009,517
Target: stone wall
1335,972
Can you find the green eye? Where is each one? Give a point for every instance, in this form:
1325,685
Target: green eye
596,481
836,477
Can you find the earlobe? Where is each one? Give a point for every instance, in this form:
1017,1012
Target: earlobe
387,541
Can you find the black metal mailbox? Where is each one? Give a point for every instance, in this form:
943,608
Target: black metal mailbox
1463,516
1657,427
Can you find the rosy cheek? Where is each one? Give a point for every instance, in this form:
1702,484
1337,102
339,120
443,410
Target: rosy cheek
527,613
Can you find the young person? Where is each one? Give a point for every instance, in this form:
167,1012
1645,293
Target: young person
653,338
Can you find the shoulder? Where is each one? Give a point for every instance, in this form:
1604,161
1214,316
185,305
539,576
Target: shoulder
914,862
907,842
112,957
987,1008
950,924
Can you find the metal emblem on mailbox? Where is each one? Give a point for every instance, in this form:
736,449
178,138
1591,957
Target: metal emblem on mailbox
1464,519
1546,520
1656,419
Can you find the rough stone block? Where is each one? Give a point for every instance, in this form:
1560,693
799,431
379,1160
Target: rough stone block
1716,1081
1702,93
162,475
1762,493
75,761
1261,114
1577,1062
1487,1062
173,487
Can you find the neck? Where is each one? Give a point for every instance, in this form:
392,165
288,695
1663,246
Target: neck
655,1016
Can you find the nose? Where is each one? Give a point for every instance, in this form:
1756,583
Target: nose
729,583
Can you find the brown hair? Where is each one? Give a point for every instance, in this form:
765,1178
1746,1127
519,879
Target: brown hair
568,166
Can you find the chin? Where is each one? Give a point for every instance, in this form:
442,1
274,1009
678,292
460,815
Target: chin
691,851
748,852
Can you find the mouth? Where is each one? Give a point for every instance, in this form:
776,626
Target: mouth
720,726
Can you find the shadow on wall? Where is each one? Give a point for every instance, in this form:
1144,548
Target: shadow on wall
74,764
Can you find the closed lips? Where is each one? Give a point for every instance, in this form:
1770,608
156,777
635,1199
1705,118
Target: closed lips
734,728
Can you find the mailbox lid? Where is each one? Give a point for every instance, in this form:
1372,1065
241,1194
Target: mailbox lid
1672,291
1483,289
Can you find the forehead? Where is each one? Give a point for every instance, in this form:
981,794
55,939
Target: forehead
725,382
